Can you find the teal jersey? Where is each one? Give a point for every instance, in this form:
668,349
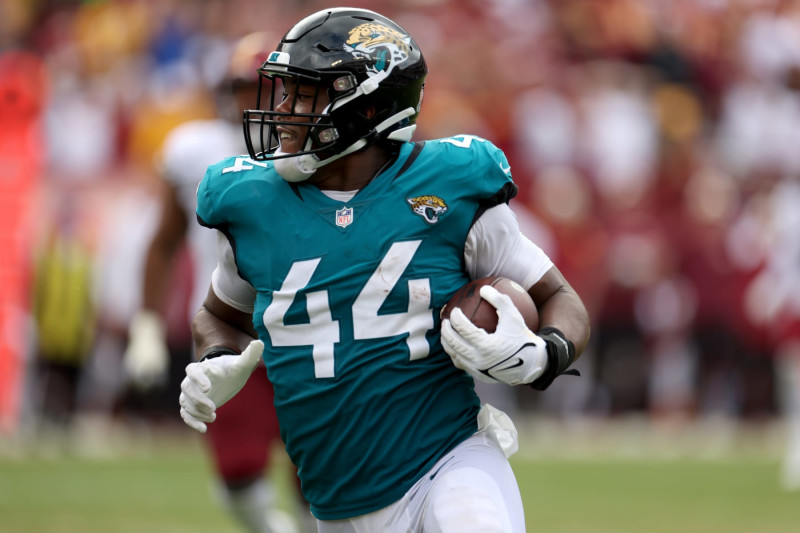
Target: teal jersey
348,300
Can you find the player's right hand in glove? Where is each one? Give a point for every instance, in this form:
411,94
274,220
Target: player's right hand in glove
513,354
147,356
213,381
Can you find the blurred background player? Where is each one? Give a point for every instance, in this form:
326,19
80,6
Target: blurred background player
240,444
63,311
773,299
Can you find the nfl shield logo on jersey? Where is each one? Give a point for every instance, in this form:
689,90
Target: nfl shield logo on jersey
344,217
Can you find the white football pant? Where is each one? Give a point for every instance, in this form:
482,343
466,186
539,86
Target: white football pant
472,489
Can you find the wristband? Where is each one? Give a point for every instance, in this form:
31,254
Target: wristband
560,355
216,351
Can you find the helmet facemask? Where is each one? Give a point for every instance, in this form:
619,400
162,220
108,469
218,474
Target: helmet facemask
318,140
261,125
332,132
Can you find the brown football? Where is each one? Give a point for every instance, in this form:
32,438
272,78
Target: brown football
482,313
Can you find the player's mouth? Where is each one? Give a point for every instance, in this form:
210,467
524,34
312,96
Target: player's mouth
288,140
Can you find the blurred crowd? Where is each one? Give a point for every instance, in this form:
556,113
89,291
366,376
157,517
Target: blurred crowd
655,145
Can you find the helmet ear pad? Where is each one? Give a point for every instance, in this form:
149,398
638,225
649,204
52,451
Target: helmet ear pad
351,121
363,115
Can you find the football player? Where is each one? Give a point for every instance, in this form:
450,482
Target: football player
342,241
241,441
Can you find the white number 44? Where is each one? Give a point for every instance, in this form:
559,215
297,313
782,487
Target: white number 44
322,332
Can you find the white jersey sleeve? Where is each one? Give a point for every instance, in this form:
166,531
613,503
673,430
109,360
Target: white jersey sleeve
225,280
496,247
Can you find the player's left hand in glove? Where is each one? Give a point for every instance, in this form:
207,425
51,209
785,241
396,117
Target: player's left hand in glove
513,354
212,382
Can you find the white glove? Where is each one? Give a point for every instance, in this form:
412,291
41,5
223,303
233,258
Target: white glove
209,384
147,355
513,354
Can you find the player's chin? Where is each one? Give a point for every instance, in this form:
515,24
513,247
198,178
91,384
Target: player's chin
287,147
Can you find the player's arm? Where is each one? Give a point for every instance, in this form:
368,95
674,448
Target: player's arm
220,325
225,341
563,324
146,356
225,319
513,354
169,235
228,354
560,307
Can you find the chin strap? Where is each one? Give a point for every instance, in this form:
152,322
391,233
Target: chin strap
294,169
380,128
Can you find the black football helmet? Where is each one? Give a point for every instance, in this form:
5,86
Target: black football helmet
374,75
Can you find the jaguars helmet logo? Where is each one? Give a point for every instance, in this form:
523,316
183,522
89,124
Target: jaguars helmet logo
430,208
388,48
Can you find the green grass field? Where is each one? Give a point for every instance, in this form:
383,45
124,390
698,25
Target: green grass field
677,495
164,486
